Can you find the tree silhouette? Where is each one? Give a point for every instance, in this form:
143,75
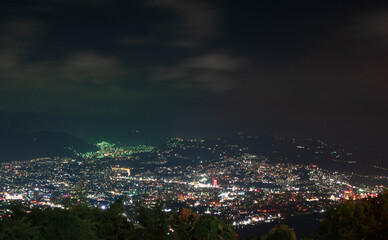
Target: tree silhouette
80,221
365,219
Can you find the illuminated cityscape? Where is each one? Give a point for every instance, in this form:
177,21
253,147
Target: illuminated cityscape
209,177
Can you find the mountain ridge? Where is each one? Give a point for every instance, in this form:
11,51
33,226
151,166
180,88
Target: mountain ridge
19,146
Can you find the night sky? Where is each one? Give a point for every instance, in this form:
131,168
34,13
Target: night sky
196,68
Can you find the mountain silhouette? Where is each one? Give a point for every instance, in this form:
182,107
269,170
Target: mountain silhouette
18,146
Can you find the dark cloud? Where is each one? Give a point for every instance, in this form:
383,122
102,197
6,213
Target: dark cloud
314,68
371,25
195,22
212,71
18,39
134,41
91,67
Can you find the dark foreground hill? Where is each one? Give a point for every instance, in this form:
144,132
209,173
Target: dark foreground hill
17,146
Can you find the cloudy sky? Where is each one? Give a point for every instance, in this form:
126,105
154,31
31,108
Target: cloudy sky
195,68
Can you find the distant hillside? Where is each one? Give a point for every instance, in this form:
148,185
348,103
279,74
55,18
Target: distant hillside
23,146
